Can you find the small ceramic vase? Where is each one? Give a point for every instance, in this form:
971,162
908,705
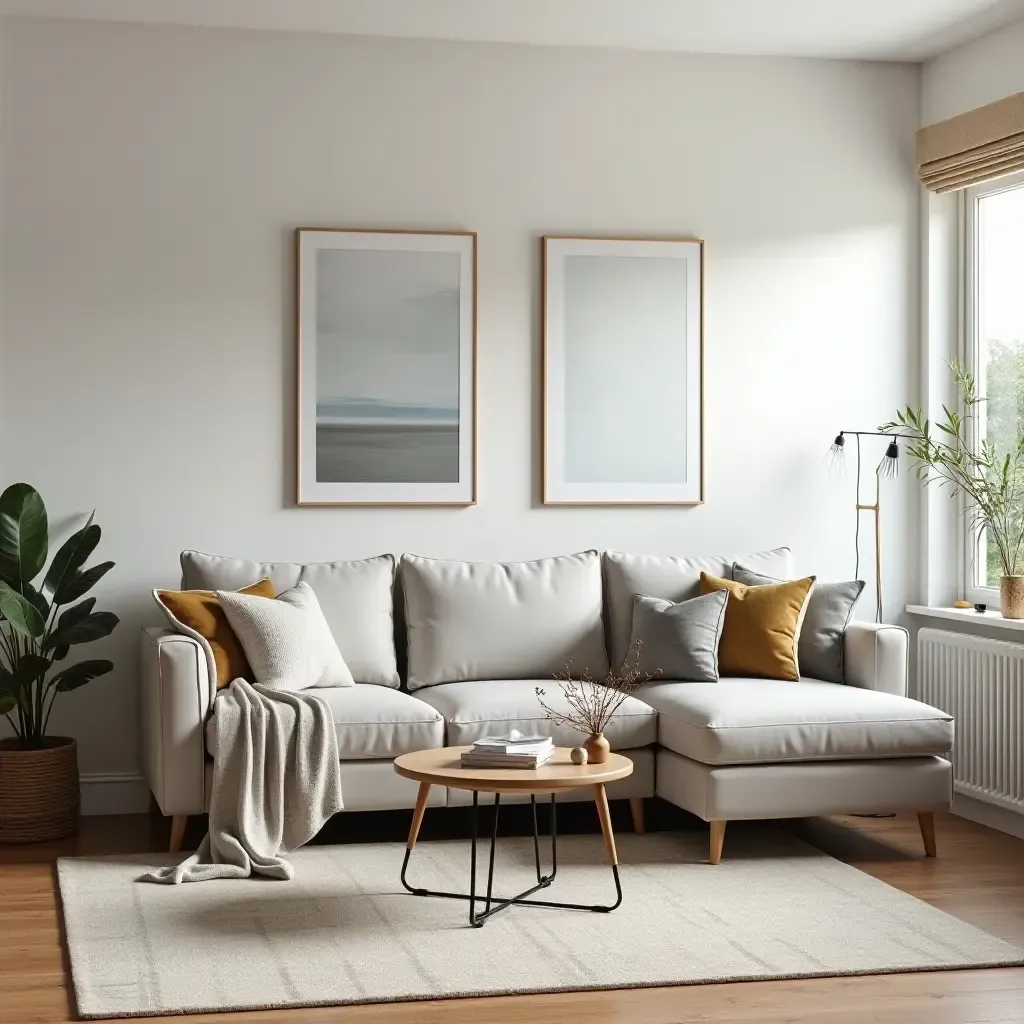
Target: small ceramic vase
597,748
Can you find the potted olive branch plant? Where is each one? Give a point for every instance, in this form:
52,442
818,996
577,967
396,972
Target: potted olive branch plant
990,478
39,772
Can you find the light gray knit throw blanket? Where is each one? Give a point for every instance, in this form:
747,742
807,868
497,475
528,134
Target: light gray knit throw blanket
276,780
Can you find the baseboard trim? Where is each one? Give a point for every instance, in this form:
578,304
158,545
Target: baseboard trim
984,813
114,793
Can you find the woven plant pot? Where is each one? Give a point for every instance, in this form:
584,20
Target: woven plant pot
38,791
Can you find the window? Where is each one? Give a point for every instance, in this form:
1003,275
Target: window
994,334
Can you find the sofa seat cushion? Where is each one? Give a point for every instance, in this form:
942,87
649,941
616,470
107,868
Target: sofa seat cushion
493,706
372,722
764,721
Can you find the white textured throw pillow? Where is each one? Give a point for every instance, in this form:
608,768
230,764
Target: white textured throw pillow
287,639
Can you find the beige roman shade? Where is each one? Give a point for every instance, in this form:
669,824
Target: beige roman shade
977,146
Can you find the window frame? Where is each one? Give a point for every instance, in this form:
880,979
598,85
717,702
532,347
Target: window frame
970,539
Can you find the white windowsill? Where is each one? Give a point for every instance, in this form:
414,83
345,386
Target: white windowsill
967,616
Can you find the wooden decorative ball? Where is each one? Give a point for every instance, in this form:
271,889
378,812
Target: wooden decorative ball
578,755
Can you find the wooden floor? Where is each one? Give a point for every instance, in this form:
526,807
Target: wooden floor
978,876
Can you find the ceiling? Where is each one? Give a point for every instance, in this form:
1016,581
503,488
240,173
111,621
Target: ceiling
911,30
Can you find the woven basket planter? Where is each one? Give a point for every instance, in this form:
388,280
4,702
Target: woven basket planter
38,791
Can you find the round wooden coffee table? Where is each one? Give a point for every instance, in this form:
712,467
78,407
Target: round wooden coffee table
441,767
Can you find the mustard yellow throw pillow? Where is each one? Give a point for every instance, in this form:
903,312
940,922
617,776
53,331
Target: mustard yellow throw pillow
199,612
762,627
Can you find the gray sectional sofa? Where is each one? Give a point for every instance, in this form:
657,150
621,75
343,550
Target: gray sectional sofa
477,638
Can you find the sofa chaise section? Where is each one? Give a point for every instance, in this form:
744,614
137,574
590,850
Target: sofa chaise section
759,748
770,721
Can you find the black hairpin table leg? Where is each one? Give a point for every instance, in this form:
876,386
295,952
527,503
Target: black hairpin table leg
493,904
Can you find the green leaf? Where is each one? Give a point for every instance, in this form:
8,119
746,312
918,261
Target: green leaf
82,629
8,687
30,668
19,684
74,587
37,600
74,614
23,530
78,675
71,556
61,652
8,700
20,613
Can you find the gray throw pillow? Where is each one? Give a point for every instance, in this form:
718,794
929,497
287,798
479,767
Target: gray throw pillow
820,648
680,639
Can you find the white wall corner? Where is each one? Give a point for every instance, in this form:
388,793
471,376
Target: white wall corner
114,793
941,554
969,76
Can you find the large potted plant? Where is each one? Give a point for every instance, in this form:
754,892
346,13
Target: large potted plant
988,475
39,625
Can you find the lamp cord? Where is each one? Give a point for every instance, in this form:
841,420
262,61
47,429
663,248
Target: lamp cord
856,534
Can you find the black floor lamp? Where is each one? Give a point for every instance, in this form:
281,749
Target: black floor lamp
888,468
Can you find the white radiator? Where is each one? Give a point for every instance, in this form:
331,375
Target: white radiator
981,684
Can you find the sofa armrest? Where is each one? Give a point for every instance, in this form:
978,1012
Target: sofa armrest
175,703
875,657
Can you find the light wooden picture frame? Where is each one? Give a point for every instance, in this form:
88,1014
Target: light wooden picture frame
386,349
623,355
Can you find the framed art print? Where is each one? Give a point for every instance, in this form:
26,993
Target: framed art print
386,367
623,371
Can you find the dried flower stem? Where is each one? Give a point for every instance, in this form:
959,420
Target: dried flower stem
593,703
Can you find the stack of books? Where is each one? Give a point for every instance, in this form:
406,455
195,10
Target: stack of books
512,751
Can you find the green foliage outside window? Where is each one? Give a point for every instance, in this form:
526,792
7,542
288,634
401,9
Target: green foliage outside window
1004,423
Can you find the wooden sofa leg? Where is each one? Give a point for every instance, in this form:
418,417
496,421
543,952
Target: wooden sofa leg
717,839
926,820
636,808
178,823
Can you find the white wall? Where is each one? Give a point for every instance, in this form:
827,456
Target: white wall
149,183
974,74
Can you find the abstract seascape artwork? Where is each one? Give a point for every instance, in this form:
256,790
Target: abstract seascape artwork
386,367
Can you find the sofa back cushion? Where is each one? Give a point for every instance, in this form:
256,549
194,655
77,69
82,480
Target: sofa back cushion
671,579
355,597
828,613
502,620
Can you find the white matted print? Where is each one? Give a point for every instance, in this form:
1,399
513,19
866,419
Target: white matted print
623,369
387,367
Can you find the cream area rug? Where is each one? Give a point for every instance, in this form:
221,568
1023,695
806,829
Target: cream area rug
344,931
